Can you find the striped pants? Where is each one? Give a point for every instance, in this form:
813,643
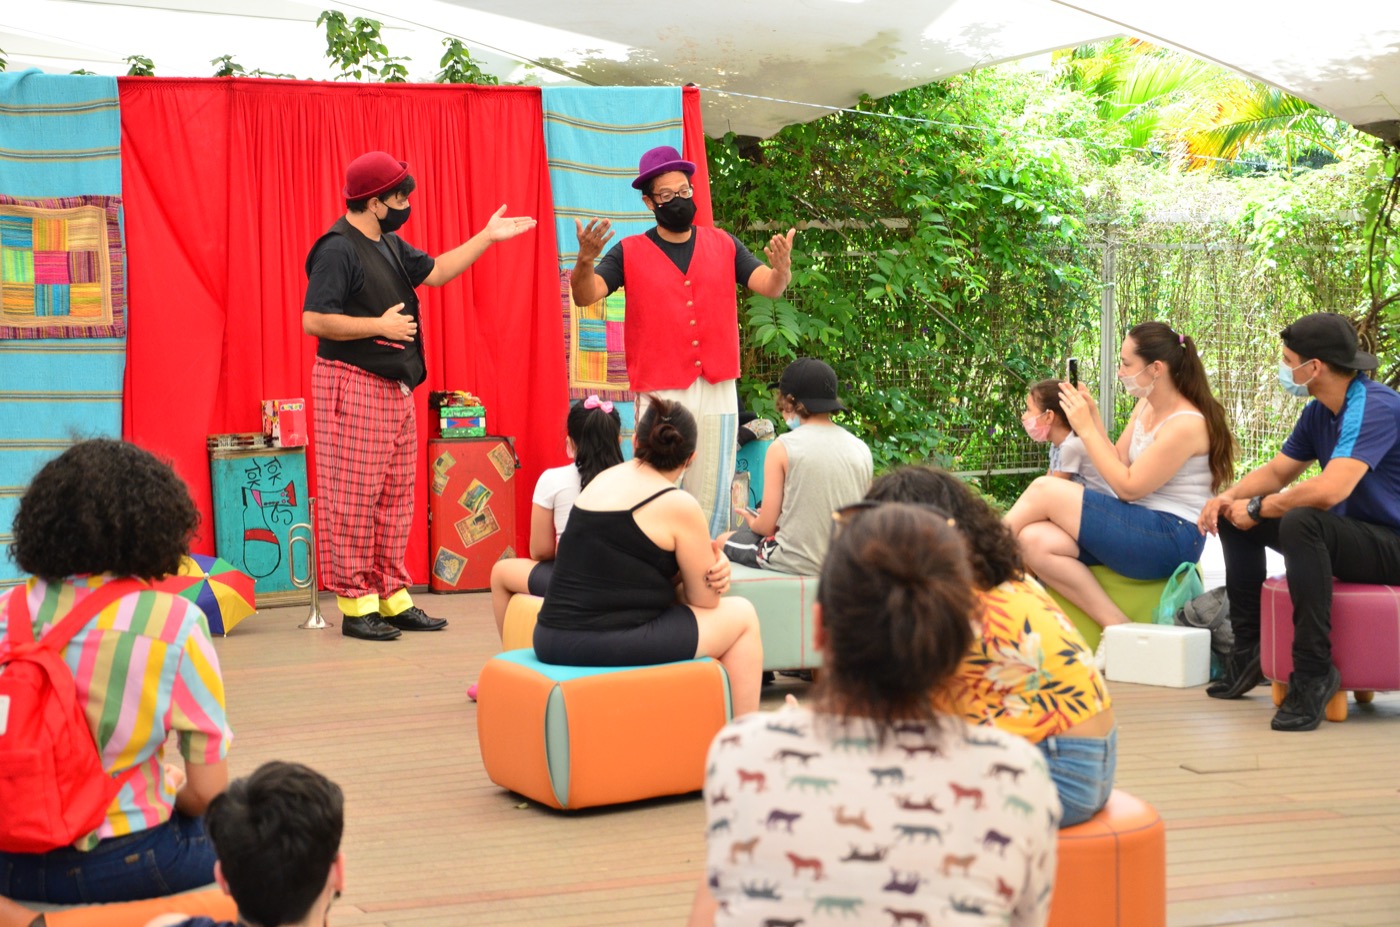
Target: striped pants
716,410
366,454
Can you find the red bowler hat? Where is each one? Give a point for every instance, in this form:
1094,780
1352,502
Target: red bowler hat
660,161
372,174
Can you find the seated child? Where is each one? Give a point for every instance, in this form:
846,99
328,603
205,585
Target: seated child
811,471
1044,420
594,430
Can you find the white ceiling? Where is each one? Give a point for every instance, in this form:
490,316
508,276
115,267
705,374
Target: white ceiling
1343,55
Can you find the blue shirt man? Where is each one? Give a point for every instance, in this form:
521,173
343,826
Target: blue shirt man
1342,523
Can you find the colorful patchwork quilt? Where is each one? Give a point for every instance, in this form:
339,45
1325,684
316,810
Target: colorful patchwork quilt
593,345
62,268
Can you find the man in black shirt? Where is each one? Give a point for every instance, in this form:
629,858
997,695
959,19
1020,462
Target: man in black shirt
362,307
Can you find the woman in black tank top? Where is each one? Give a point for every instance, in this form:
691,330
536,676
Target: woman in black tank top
631,538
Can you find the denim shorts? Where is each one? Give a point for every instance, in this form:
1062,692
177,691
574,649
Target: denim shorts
172,857
1135,541
1082,769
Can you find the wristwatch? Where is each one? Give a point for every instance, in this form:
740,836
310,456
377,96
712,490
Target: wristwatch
1253,509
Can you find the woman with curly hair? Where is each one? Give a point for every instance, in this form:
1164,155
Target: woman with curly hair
1028,670
107,512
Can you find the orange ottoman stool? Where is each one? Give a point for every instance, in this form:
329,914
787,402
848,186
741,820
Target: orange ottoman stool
1112,869
580,736
518,632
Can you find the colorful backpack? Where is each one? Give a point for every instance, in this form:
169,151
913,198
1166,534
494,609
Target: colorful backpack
52,784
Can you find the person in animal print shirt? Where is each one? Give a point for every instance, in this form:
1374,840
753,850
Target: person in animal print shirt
871,806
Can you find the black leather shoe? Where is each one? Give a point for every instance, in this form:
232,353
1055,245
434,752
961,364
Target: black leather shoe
1305,705
413,618
368,628
1242,673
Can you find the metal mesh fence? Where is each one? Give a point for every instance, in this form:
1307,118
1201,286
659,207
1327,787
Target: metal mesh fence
1203,281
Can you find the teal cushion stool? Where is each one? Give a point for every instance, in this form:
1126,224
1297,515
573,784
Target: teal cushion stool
1137,598
784,605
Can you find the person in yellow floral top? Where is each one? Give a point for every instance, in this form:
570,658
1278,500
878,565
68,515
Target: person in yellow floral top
1028,670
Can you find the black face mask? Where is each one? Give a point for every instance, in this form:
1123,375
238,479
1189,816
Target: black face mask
394,219
677,215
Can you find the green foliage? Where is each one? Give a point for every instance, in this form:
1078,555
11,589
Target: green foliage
1380,203
141,66
225,66
4,62
458,66
1198,113
355,47
941,264
83,71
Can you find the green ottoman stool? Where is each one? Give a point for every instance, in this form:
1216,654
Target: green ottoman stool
784,605
1137,597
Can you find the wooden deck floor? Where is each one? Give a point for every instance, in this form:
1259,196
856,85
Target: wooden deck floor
1263,828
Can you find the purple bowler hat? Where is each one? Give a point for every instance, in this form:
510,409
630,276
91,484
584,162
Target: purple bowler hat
659,161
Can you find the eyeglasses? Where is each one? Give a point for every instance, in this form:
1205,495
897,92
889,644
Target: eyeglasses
846,514
662,197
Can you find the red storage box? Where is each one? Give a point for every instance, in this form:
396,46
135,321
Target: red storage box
471,510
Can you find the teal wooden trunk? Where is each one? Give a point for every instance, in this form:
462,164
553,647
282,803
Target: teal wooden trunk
259,494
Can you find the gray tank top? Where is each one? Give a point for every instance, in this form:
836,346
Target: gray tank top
828,467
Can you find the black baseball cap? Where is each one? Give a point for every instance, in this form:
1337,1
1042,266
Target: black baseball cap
812,383
1327,336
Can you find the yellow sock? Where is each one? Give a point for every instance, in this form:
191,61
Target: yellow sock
396,604
360,607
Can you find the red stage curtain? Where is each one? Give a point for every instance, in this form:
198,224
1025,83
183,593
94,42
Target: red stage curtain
694,152
228,182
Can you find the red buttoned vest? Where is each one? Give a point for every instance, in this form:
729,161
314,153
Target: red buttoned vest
680,326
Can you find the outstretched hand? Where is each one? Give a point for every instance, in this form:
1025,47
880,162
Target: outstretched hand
779,252
502,227
592,237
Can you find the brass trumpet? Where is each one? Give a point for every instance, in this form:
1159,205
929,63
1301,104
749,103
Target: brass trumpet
304,532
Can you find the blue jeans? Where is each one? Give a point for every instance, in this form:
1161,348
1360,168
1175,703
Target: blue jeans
1134,541
1082,769
173,857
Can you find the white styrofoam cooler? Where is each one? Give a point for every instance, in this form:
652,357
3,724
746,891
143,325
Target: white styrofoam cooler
1157,654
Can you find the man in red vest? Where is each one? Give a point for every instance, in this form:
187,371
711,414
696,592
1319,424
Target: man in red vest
681,333
362,306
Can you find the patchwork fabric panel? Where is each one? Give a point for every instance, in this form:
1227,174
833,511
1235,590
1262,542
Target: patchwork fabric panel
593,345
62,268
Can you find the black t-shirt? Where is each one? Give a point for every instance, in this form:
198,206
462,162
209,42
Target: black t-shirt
610,267
335,273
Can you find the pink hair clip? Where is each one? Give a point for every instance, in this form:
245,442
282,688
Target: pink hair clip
1181,340
593,402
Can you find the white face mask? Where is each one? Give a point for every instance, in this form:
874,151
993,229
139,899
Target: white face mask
792,423
1133,388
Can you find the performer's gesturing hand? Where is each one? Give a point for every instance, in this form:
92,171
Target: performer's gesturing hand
592,237
502,227
779,252
398,325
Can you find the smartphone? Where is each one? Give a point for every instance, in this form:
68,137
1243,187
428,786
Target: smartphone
1074,372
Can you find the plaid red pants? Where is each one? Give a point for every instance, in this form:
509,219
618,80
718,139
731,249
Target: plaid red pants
366,452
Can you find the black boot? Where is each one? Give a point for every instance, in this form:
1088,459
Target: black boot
1241,674
1305,705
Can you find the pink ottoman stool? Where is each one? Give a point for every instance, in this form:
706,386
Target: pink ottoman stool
1365,640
